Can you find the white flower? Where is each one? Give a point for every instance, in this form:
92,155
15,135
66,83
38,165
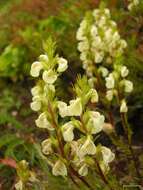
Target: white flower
67,131
88,148
95,122
62,65
19,185
110,82
98,57
42,122
94,96
123,107
49,76
128,86
63,109
59,169
108,155
124,71
49,88
43,58
35,90
75,107
36,67
36,105
83,46
93,31
109,95
83,171
47,147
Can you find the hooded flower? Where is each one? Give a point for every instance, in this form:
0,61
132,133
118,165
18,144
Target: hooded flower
59,169
108,155
49,76
36,105
62,65
95,122
75,107
42,122
83,171
67,131
36,68
88,148
124,71
128,86
47,147
109,95
110,82
63,109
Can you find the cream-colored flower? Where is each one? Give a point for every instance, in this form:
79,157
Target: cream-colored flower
35,90
35,105
95,122
108,155
59,169
83,46
47,147
75,107
123,107
88,148
19,185
63,109
42,122
62,64
110,82
49,76
83,171
44,58
124,71
36,67
128,86
109,95
67,131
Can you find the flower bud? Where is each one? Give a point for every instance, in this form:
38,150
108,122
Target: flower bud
43,58
108,128
94,96
123,107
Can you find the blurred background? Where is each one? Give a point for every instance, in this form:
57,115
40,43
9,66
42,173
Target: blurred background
24,25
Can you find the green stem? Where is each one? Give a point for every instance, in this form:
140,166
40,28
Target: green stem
104,179
125,126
